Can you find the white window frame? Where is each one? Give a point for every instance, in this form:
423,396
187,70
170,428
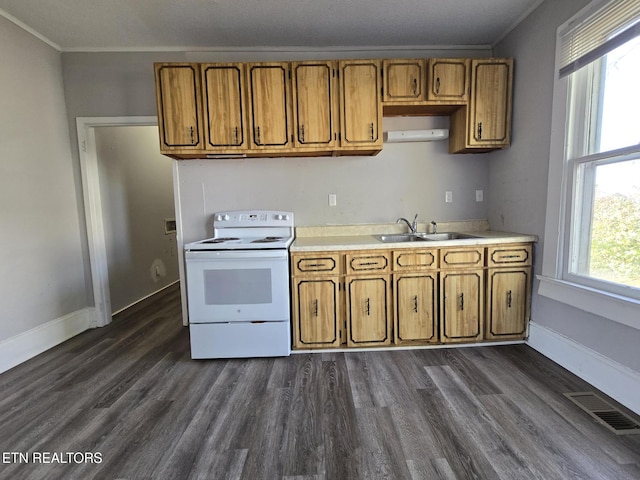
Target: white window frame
555,281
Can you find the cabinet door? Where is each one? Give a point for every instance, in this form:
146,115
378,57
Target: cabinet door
314,104
315,312
461,306
490,107
360,106
508,303
368,312
448,79
415,308
178,97
404,80
269,105
223,87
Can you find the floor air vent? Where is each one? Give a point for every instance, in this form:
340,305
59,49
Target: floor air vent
612,418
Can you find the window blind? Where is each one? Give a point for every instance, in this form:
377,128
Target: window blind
600,28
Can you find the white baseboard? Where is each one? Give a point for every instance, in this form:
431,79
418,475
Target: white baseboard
616,380
26,345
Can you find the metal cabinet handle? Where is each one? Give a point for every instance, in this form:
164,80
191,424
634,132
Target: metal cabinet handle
367,306
415,87
302,134
315,307
258,142
438,86
415,303
479,130
371,129
191,134
235,136
509,299
462,301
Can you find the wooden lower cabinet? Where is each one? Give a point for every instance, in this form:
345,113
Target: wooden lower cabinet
316,312
507,303
368,312
411,296
461,306
415,304
508,291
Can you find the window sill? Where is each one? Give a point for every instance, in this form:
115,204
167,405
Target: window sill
613,307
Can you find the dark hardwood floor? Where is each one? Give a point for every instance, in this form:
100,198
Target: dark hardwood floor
129,395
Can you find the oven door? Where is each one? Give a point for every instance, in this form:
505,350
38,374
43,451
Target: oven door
237,285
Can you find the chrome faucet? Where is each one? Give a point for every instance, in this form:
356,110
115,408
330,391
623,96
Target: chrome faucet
413,227
435,226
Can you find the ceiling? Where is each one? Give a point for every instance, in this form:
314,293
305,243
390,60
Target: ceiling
112,25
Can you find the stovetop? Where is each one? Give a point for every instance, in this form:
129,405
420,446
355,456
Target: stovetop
248,230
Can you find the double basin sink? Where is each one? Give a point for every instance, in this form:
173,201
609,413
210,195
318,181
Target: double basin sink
422,237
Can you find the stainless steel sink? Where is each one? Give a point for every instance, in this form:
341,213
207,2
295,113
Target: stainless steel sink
422,237
447,236
401,237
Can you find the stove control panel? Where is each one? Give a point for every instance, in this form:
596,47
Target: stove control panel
253,218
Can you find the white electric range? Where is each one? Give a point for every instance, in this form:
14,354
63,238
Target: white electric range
238,286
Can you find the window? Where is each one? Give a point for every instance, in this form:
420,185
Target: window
602,248
591,257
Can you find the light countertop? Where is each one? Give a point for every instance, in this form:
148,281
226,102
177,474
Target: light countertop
357,237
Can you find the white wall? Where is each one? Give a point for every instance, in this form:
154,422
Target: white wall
42,272
402,180
518,178
136,187
122,84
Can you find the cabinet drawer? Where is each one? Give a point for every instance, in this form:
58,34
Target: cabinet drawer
404,260
319,263
461,258
368,262
509,255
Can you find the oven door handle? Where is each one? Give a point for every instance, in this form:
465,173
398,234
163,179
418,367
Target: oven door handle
231,255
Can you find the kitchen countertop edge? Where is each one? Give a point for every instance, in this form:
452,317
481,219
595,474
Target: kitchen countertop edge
369,242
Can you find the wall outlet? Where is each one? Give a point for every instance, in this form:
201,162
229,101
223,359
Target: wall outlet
479,196
448,196
333,199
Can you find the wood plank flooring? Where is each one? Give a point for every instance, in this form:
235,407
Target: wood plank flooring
130,394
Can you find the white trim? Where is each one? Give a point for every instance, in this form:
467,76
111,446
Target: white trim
616,380
180,243
517,22
26,345
281,49
30,30
439,346
617,308
145,297
93,206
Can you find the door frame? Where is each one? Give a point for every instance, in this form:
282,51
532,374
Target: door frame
93,209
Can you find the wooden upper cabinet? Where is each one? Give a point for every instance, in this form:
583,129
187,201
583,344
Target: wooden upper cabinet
448,79
404,80
179,101
268,98
485,124
313,87
490,108
224,106
360,104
